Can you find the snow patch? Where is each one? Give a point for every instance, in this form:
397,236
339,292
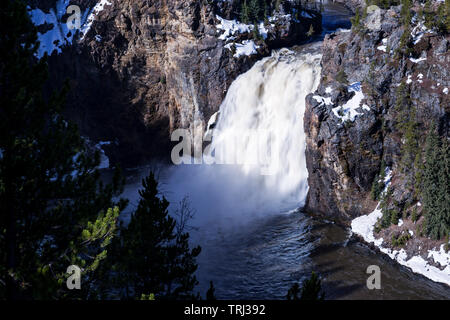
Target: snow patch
231,27
322,100
60,35
99,7
347,112
246,48
420,78
104,160
417,60
364,226
409,80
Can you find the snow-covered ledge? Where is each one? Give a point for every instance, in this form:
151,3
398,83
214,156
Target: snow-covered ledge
364,227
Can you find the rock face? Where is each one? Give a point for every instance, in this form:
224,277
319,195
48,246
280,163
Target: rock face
145,68
352,121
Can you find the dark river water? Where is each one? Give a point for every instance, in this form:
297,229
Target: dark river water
263,256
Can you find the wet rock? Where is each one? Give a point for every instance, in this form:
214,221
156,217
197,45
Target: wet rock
344,157
147,68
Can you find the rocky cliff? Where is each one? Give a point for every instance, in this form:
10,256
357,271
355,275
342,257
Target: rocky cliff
351,118
140,69
384,89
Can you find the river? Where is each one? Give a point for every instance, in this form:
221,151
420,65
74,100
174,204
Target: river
255,241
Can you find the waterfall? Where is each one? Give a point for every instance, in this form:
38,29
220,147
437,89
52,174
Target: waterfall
261,122
258,145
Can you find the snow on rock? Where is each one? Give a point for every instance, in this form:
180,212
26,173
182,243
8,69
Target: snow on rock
60,35
231,27
246,48
384,46
400,222
100,6
420,78
417,60
347,112
364,226
445,91
409,80
419,30
343,30
441,257
104,160
262,30
322,100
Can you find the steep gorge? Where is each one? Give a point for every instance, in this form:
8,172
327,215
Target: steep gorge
145,68
379,98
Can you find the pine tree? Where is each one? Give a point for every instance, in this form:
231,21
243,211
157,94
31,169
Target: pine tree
378,183
256,33
210,296
447,16
405,41
411,146
436,186
443,196
418,174
293,292
55,210
429,15
406,12
407,126
441,19
254,9
152,255
311,290
356,21
245,17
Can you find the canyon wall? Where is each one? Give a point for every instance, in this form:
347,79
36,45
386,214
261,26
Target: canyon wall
145,68
352,119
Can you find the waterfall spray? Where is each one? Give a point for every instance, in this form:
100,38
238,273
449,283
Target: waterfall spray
261,121
258,145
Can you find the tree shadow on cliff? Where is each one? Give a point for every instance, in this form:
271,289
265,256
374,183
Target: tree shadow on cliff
323,249
339,290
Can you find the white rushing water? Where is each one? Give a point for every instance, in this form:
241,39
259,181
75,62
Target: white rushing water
261,122
258,146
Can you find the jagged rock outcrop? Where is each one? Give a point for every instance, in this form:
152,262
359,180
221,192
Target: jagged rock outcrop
145,68
346,146
384,86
